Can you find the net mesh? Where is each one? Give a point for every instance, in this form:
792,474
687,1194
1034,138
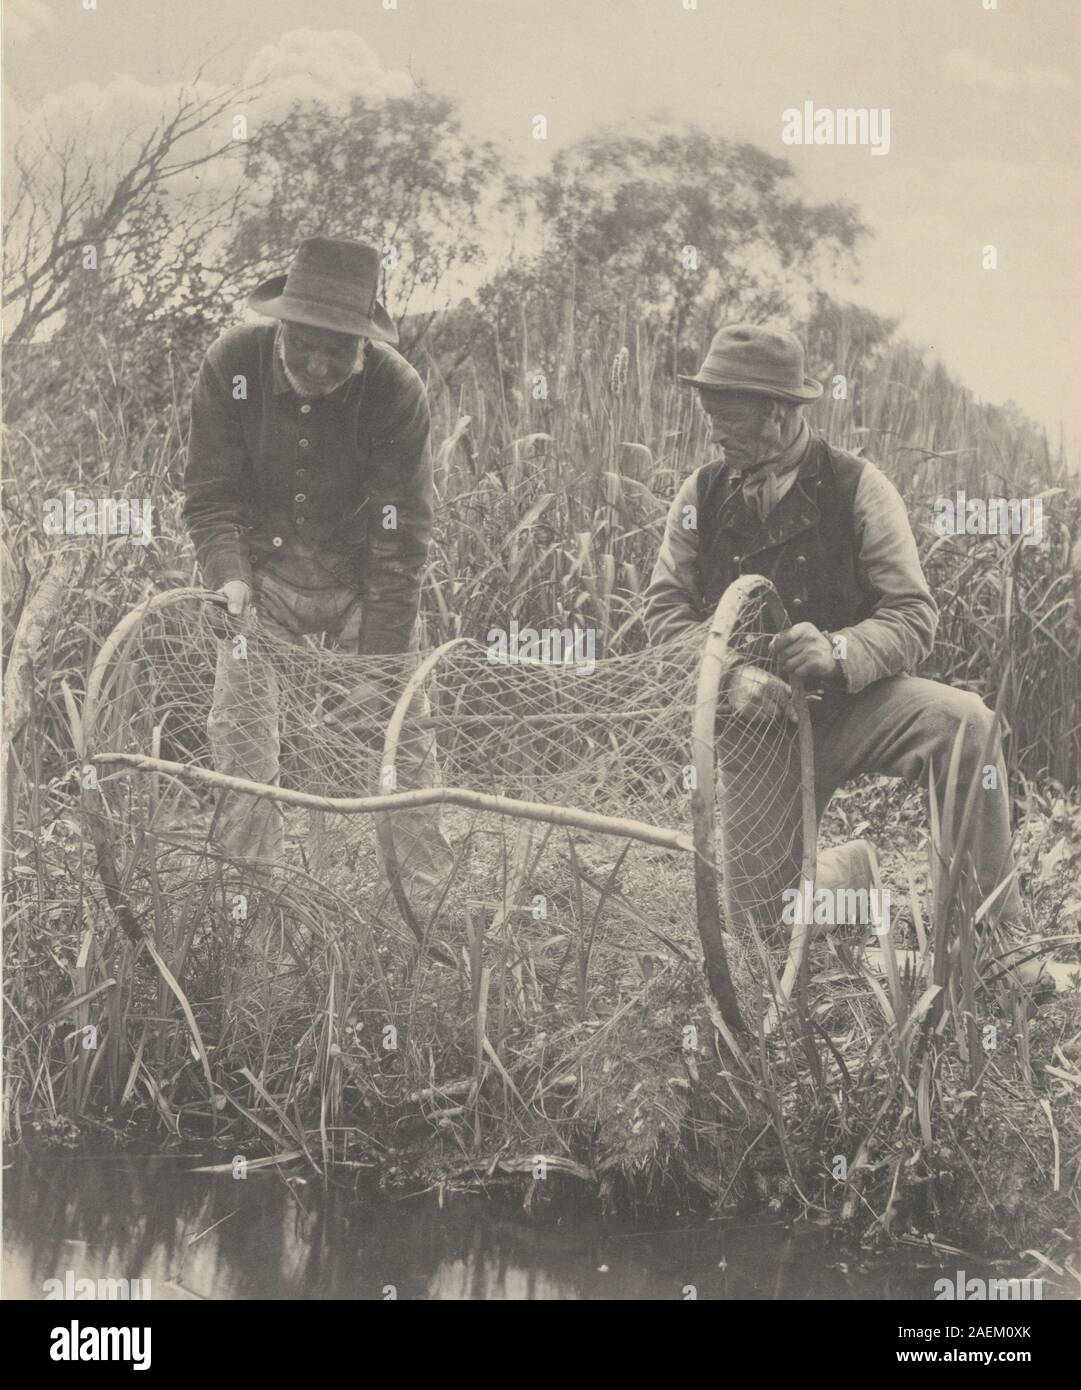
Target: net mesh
612,736
759,775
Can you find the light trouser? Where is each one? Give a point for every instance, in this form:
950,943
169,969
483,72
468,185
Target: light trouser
901,726
245,741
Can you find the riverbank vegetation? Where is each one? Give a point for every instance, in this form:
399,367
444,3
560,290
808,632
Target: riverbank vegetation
578,1049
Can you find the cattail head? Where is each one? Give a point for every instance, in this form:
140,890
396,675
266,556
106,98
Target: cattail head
619,371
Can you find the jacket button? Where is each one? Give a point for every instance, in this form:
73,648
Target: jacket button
305,409
302,472
300,521
300,497
277,540
797,603
736,559
303,443
801,559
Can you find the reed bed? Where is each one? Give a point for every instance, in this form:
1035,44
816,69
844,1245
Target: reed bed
579,1050
591,1045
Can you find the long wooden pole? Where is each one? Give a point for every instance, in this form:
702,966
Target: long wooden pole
553,814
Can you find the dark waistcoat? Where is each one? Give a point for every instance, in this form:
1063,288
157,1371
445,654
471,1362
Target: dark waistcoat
806,546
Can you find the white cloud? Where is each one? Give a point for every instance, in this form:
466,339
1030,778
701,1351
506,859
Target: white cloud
328,65
105,123
94,129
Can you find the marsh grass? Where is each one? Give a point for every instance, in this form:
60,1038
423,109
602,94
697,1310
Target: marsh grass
271,1040
522,1037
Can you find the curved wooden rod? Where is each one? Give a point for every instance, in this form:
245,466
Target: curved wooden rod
384,830
703,810
703,806
551,813
123,631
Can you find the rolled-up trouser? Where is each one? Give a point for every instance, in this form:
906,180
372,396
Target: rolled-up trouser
245,741
901,726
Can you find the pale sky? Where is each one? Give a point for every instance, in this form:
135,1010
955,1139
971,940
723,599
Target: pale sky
985,116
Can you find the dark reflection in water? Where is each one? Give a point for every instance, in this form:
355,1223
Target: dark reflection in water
194,1234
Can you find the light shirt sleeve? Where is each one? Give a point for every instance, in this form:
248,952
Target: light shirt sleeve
900,633
673,599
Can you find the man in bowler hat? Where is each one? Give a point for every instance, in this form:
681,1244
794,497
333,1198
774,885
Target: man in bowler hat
832,533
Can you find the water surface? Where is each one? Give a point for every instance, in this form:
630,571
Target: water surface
270,1237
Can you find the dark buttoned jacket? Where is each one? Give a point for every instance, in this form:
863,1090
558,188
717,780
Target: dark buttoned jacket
349,473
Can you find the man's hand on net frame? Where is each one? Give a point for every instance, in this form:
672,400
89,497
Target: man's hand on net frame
752,693
229,606
237,597
802,650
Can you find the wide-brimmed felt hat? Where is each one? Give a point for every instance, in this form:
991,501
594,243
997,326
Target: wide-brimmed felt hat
750,357
331,284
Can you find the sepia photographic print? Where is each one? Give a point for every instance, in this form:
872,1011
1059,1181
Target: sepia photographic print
542,700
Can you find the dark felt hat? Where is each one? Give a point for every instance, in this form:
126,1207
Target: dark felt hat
331,284
747,357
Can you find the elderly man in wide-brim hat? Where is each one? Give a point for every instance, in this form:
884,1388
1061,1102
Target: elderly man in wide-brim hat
309,499
832,533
